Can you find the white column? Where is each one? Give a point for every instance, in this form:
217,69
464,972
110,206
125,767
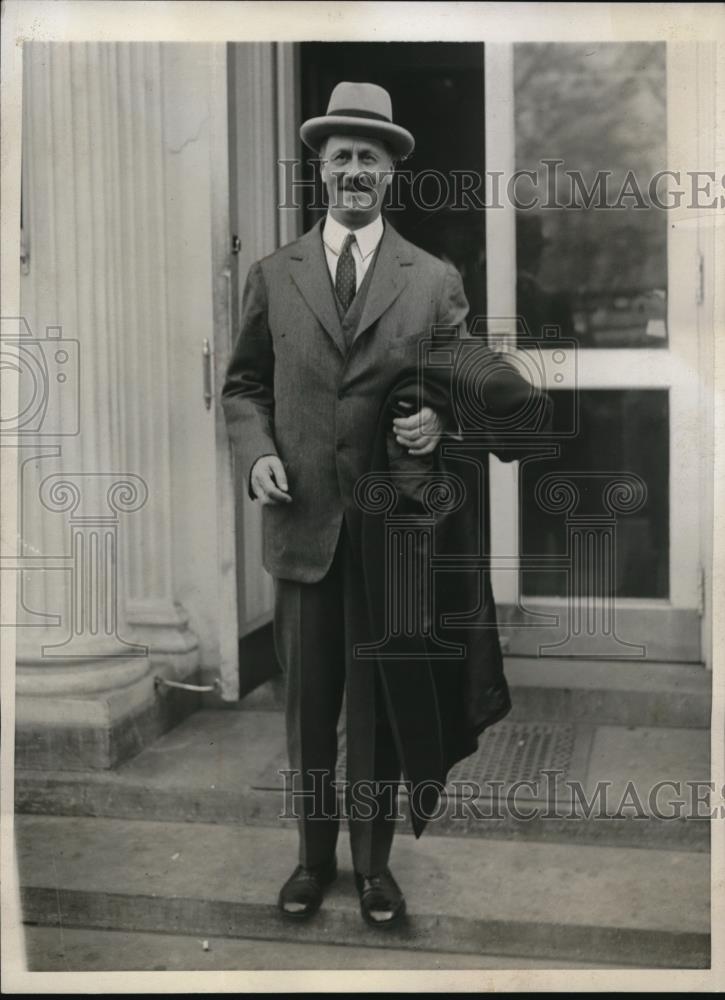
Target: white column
137,167
96,606
78,495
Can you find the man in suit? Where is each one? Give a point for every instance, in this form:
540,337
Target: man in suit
328,321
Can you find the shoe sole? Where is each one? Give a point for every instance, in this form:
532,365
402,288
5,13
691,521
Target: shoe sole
305,914
384,924
298,915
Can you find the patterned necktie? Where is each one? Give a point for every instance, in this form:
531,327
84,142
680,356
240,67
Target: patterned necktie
345,274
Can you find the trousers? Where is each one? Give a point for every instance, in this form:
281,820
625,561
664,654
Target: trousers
316,628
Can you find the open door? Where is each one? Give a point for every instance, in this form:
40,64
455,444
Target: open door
263,130
272,87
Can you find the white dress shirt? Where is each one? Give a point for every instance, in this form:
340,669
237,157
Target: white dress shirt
363,246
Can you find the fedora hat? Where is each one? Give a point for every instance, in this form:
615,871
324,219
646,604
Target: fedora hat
359,109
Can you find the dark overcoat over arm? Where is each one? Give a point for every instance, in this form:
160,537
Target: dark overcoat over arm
427,577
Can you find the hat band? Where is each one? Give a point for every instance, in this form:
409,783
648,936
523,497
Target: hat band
354,113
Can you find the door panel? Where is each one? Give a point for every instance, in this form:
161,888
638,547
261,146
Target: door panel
253,219
592,258
263,129
619,429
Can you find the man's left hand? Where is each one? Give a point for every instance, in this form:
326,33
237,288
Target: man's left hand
420,432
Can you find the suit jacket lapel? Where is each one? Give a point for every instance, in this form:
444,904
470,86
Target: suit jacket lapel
308,267
389,277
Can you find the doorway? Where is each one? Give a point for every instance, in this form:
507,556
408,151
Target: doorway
437,92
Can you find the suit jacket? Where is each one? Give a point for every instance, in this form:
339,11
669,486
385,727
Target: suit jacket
294,390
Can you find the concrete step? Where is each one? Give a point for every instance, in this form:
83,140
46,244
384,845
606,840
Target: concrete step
600,692
622,906
64,949
223,767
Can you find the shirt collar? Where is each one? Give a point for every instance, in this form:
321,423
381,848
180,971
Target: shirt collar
367,238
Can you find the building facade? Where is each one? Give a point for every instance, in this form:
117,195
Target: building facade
155,174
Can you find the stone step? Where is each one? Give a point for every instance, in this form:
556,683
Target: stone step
592,904
604,692
222,767
65,949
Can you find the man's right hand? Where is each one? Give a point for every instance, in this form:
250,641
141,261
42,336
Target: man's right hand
268,480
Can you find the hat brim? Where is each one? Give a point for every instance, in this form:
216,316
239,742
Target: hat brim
314,130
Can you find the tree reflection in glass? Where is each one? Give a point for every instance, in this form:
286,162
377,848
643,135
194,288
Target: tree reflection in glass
591,256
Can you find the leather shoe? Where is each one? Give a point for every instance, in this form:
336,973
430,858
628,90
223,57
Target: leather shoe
382,904
302,893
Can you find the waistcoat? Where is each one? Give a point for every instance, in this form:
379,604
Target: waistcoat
350,320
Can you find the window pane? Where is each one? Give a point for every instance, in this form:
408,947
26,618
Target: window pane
600,273
622,434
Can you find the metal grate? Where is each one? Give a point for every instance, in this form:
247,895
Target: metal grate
518,751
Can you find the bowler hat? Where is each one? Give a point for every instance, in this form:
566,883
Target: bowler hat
359,109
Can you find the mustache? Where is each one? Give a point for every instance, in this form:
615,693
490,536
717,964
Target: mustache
364,183
364,186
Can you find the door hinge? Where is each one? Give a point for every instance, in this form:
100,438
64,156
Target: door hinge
24,252
700,278
236,244
206,365
701,591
